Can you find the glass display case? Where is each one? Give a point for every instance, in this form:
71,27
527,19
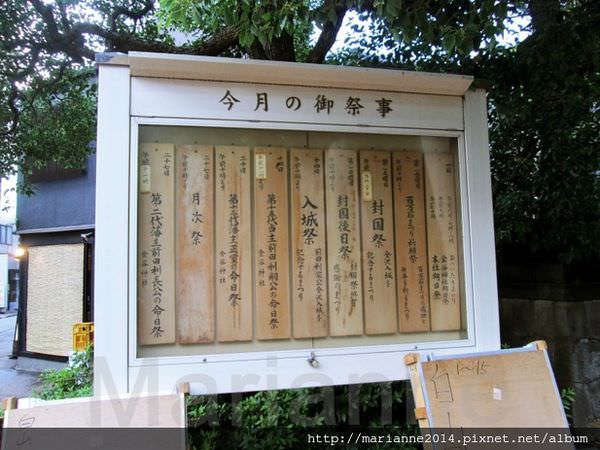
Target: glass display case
264,239
265,225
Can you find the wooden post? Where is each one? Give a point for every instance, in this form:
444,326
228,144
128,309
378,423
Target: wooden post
412,360
184,388
9,403
539,345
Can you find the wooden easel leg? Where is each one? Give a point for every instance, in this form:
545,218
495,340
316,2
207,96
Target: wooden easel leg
539,345
411,360
9,403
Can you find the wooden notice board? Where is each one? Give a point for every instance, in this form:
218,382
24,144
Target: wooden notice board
233,244
195,246
343,243
241,243
124,422
512,388
442,241
377,226
271,243
156,249
411,242
309,268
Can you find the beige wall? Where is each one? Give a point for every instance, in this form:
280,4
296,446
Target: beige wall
54,297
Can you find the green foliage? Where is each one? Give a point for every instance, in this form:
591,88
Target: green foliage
427,35
61,117
398,27
545,140
544,115
567,396
544,97
70,382
280,419
47,82
264,22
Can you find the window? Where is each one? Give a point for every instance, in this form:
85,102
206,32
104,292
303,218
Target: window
54,172
6,234
258,239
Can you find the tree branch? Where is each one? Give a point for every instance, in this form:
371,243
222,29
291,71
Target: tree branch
72,41
124,42
328,34
282,48
135,14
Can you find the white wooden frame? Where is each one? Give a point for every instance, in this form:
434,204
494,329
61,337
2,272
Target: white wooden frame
119,370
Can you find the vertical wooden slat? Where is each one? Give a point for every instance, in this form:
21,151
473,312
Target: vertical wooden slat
156,245
309,266
233,244
442,242
377,228
411,242
272,246
343,243
195,244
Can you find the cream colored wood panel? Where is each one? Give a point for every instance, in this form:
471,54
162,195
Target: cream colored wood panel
442,242
143,411
253,71
511,390
411,242
309,265
195,244
54,297
377,228
343,243
233,244
271,235
156,245
153,97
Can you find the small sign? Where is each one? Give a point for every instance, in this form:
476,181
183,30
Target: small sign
367,186
497,393
260,166
145,171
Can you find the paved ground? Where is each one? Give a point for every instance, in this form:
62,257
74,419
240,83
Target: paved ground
13,383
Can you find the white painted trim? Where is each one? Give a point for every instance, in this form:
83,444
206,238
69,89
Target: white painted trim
111,242
291,126
131,298
275,372
483,250
218,368
292,74
152,97
465,233
116,236
89,226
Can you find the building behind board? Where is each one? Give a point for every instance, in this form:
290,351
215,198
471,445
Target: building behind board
56,229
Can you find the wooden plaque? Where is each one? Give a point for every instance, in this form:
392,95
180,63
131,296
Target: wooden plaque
343,243
151,422
309,268
195,244
271,243
377,227
156,245
233,244
129,411
411,242
509,389
442,242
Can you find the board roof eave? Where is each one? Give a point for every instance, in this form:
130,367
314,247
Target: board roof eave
208,68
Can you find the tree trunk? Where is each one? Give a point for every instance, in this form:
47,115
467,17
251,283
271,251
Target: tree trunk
544,13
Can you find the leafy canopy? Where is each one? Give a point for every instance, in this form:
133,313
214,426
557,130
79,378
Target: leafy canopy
543,98
48,92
